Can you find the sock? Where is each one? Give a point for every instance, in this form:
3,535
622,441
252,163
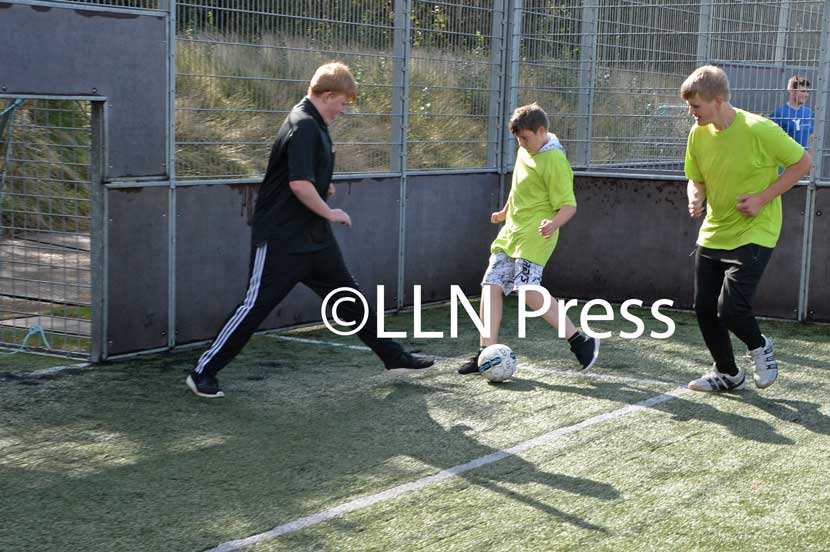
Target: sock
576,338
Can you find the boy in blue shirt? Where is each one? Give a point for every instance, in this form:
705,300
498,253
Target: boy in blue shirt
794,117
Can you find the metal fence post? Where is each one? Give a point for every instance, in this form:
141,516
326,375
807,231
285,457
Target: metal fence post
781,36
511,82
400,126
97,238
704,32
399,68
171,174
495,107
587,82
823,97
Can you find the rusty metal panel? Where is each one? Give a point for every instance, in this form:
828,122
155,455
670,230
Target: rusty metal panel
629,240
448,233
120,56
818,304
213,252
634,240
137,265
778,292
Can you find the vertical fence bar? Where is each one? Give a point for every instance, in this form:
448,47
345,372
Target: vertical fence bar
403,26
511,82
495,107
587,81
781,36
704,32
98,228
823,97
399,62
171,173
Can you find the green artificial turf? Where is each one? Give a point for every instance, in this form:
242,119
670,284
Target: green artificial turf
123,457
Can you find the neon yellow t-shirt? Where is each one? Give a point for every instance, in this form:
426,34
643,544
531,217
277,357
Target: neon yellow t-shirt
741,159
541,185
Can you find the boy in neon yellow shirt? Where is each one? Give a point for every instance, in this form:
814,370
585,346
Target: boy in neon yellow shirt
541,201
732,161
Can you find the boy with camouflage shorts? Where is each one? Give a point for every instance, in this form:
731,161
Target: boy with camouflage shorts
541,201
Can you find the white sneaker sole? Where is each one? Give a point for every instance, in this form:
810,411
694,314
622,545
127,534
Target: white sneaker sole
596,355
405,370
192,386
694,387
764,385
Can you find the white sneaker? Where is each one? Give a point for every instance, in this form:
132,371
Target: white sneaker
716,381
764,365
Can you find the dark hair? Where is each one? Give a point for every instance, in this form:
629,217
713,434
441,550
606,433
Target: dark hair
797,82
528,117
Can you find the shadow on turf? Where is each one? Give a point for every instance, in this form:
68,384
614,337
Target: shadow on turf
269,458
512,470
803,413
682,409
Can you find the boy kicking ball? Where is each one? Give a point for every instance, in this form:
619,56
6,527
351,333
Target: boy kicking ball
541,201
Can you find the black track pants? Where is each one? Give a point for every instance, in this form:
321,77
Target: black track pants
725,284
272,275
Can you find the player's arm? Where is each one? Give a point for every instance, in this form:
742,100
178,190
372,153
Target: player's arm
305,191
500,216
548,227
750,205
696,192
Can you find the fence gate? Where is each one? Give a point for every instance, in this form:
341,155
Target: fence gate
46,226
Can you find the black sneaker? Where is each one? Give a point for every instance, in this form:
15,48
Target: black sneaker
586,350
469,367
204,386
406,362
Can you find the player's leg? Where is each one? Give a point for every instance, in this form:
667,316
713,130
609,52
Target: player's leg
584,348
497,278
329,272
271,278
709,283
743,275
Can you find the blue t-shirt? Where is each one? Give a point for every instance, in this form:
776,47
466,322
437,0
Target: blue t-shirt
798,123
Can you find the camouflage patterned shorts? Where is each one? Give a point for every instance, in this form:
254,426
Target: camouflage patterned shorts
510,273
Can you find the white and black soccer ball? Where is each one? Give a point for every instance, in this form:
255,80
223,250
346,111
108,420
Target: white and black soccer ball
497,362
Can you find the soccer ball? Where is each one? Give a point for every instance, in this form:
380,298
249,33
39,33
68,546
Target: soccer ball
497,362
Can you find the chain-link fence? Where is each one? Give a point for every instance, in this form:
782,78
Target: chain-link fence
433,76
437,80
45,280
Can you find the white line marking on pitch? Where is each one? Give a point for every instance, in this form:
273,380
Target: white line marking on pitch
443,475
49,371
561,373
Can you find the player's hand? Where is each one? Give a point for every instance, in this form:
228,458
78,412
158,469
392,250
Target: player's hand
695,205
749,205
546,228
340,216
498,216
331,191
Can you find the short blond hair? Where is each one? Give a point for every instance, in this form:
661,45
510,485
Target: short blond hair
333,77
708,82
